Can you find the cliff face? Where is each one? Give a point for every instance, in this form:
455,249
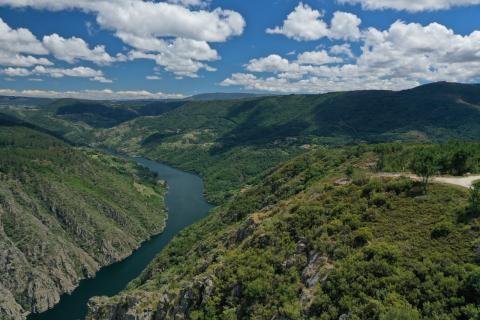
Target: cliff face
64,213
309,242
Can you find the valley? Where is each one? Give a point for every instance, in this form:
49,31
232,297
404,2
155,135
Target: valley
317,214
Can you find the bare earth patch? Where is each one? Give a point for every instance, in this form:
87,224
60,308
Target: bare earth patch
465,182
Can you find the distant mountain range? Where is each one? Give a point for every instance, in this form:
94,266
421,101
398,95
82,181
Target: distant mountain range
224,96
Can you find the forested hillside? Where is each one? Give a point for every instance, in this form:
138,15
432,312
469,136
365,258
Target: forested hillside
64,213
321,237
229,142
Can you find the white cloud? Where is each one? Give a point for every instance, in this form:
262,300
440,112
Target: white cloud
317,58
73,49
409,5
306,24
190,3
306,62
180,62
303,24
183,57
17,47
153,77
342,49
16,72
149,27
400,57
313,84
106,94
18,60
77,72
345,26
19,40
273,63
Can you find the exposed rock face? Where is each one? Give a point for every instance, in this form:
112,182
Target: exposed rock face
56,229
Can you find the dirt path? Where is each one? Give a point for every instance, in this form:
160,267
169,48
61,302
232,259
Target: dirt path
465,182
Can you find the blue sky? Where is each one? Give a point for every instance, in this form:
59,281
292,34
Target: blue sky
138,49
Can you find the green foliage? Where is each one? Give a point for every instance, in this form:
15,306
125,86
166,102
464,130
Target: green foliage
362,236
424,165
442,229
475,198
397,157
297,246
230,142
400,313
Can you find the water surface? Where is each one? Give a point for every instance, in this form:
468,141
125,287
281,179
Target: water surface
185,203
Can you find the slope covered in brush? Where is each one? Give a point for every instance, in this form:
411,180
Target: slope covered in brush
321,237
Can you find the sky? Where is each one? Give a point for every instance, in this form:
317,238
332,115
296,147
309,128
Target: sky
129,49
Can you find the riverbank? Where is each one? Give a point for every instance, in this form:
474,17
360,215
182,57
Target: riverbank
185,204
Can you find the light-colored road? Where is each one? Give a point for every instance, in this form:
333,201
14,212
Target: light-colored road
465,182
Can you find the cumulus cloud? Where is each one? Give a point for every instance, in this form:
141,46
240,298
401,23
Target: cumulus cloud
302,24
170,32
345,26
306,24
19,40
404,55
408,5
16,72
190,3
73,49
342,49
317,58
8,58
106,94
17,47
77,72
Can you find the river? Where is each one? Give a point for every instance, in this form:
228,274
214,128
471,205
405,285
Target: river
185,204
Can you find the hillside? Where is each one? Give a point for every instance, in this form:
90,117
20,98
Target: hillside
229,142
222,96
320,237
64,213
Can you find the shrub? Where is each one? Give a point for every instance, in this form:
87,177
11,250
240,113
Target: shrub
441,229
400,313
361,237
379,200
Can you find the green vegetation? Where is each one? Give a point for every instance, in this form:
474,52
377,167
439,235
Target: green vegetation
475,198
423,164
452,158
230,142
307,242
64,213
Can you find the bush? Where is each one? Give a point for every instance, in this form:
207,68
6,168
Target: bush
400,313
361,237
379,200
441,229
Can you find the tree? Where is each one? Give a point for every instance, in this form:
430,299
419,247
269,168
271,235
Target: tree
424,164
458,163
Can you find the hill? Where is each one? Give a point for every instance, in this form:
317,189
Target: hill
320,237
222,96
64,213
229,142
